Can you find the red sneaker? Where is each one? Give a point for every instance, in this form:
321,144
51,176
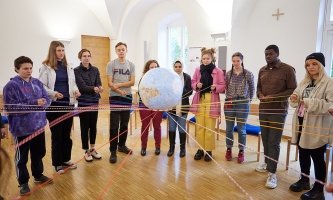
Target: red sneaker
240,158
228,155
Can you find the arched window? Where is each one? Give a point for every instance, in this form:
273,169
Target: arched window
178,45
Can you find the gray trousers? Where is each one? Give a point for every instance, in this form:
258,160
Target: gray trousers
271,126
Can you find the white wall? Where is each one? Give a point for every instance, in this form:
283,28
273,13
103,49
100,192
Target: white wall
154,33
134,30
28,27
295,33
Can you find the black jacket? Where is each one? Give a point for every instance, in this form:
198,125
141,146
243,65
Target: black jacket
86,80
187,91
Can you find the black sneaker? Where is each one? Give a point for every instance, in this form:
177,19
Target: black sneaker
24,189
124,149
113,157
59,169
207,158
302,184
43,179
199,154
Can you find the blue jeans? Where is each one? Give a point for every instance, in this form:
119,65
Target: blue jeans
240,111
172,119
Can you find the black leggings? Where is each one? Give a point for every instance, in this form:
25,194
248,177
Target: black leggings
317,156
88,123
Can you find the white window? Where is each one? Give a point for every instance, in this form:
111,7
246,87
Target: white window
178,46
327,45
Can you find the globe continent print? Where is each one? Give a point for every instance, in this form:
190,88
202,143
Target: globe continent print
160,89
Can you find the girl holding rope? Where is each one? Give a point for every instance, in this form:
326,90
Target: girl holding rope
178,115
59,82
88,81
239,92
208,82
312,99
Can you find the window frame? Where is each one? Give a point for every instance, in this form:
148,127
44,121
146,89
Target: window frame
182,46
329,12
327,42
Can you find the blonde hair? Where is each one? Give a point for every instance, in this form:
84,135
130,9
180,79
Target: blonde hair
322,73
51,59
210,51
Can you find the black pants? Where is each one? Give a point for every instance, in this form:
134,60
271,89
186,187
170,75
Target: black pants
119,120
317,156
61,142
88,123
37,149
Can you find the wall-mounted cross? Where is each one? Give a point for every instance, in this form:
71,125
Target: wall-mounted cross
277,14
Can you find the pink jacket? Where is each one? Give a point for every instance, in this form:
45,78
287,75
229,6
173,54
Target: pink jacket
218,80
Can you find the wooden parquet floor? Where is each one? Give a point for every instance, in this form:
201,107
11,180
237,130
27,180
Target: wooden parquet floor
156,177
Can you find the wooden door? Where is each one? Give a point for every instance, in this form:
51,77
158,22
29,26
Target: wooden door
99,48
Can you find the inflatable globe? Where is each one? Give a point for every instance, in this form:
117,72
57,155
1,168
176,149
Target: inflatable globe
161,89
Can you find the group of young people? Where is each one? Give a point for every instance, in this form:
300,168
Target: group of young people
26,99
276,86
59,84
312,120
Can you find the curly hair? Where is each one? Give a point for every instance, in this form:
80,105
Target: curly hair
210,52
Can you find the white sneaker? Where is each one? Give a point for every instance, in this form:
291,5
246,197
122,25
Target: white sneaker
271,181
88,156
262,168
69,164
95,154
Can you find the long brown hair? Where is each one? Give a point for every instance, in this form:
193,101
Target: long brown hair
146,67
237,54
51,59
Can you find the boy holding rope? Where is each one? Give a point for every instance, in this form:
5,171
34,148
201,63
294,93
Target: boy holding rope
25,100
